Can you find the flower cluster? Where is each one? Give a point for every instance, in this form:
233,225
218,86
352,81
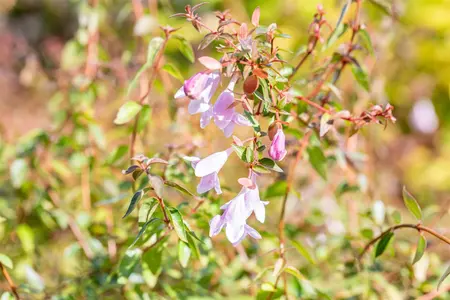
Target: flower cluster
200,89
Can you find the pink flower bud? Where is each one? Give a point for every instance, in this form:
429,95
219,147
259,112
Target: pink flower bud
277,150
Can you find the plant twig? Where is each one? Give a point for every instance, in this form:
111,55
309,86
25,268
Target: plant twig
419,227
11,284
291,175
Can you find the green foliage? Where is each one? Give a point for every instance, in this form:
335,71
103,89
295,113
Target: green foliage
65,187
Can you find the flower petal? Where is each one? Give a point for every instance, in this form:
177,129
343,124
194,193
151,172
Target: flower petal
252,232
207,183
205,118
234,233
180,93
197,106
228,131
215,225
210,164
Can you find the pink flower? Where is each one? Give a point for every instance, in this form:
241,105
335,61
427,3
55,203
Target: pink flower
208,169
235,215
225,116
277,150
199,88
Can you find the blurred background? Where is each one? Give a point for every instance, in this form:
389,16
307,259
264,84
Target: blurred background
410,70
43,46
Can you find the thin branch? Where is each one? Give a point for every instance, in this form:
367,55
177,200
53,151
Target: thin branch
419,227
11,284
153,76
291,175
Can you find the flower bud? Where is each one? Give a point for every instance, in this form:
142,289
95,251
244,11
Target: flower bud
277,150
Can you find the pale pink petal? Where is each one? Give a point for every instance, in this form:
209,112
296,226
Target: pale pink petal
223,115
207,183
215,225
252,232
228,131
205,118
180,93
210,164
234,233
197,106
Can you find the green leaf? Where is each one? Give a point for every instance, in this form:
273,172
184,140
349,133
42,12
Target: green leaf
411,204
186,48
127,112
192,243
184,253
303,251
270,164
144,118
383,243
253,121
158,185
335,35
367,41
445,275
396,217
239,150
421,246
295,272
180,188
318,161
147,210
172,70
117,154
361,76
339,28
277,189
129,262
247,156
18,172
26,237
136,197
135,80
260,169
141,232
6,261
178,224
153,48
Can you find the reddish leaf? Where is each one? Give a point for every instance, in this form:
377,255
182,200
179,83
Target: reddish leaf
260,73
243,31
255,16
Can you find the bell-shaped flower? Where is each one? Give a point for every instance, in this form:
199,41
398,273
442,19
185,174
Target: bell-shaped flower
236,212
277,149
208,169
199,88
225,116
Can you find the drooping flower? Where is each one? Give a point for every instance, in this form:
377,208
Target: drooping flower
224,114
199,88
235,215
208,169
277,149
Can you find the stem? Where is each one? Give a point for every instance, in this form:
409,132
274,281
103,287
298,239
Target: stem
11,284
154,67
419,227
291,175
